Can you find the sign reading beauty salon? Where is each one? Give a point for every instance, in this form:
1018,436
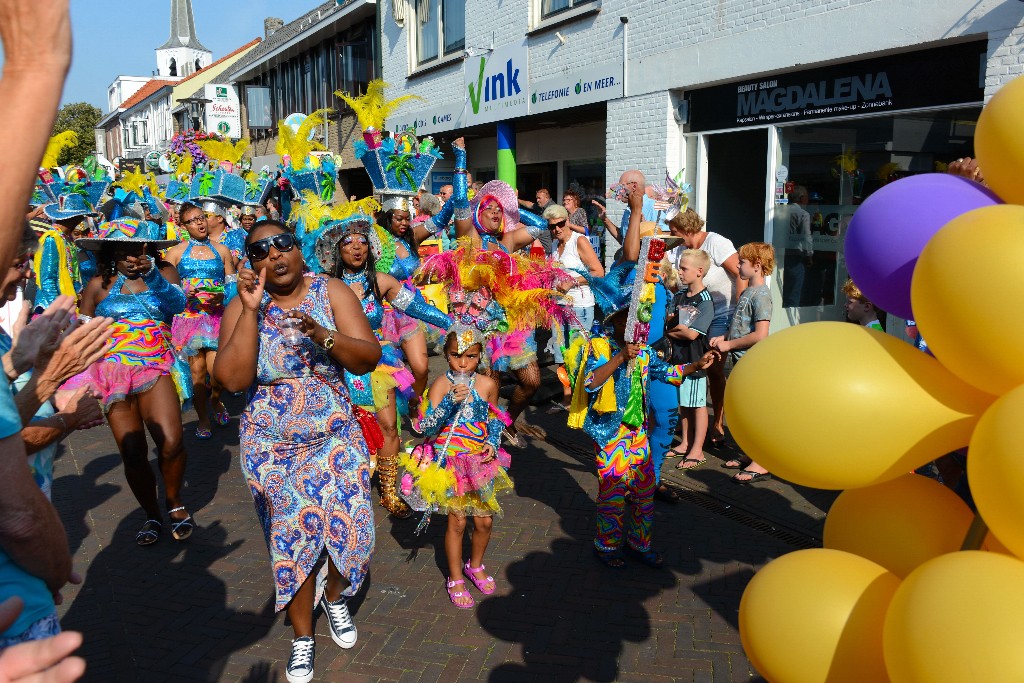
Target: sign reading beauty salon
498,84
223,113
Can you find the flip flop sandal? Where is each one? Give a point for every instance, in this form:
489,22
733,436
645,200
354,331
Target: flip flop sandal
728,464
612,560
754,476
148,535
699,461
675,453
203,434
181,529
513,440
452,595
652,558
222,418
479,583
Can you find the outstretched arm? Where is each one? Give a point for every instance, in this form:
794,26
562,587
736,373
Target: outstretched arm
460,194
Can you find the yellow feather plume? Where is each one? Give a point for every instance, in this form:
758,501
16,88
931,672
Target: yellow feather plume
313,211
297,145
372,109
57,144
134,180
224,150
184,166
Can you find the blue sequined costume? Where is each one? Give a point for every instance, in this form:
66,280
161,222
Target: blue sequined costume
198,326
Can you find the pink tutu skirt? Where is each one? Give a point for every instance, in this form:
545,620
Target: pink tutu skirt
192,333
139,358
399,327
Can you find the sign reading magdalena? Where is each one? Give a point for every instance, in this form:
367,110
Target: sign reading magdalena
766,97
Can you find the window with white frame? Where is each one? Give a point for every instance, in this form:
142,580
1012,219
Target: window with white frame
440,29
551,8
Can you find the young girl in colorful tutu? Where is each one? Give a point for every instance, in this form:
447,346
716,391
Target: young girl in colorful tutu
461,468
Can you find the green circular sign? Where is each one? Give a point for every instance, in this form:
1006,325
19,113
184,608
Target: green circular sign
435,120
533,99
223,127
579,88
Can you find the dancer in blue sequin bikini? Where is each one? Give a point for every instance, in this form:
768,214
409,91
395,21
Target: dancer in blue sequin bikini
204,267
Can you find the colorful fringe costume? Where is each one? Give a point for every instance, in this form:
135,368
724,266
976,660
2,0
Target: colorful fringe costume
198,326
613,414
447,473
142,351
505,296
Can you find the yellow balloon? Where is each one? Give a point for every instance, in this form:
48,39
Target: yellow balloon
816,615
999,142
994,545
995,469
836,406
958,618
968,326
898,524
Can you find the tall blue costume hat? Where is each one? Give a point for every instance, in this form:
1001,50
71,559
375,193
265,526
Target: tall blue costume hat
255,194
68,206
217,185
127,230
177,192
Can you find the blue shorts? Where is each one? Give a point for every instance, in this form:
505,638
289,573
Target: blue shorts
693,392
719,326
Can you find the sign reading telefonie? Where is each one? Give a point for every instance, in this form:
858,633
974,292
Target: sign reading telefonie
497,84
596,83
223,113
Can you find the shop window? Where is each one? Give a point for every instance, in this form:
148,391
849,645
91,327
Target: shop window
440,29
832,168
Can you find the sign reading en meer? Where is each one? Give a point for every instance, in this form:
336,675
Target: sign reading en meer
926,78
497,84
596,83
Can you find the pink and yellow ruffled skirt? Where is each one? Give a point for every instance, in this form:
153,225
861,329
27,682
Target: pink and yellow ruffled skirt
141,355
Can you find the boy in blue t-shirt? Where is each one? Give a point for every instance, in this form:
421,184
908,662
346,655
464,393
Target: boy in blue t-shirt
693,410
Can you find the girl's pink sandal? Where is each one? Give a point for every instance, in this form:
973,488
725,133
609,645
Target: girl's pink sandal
459,594
479,583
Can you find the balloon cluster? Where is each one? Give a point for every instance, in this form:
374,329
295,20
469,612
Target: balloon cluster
893,595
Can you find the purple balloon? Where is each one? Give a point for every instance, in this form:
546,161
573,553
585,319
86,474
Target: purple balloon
889,230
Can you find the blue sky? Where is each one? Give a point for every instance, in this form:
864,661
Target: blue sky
114,38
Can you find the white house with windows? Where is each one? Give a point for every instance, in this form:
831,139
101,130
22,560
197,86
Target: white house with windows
746,99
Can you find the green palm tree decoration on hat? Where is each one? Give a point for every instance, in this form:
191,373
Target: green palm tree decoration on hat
399,163
252,189
180,191
205,183
326,187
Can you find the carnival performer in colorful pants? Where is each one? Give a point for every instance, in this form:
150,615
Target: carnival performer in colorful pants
205,268
345,248
138,380
611,383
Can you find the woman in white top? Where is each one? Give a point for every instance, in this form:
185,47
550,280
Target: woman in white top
574,255
723,283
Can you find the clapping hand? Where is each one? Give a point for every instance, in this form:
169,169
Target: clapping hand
76,349
32,338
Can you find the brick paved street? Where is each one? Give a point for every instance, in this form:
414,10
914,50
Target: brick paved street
202,610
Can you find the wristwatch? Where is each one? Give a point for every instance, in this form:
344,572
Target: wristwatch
328,343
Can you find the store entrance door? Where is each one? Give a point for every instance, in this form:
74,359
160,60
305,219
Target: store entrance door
532,177
736,185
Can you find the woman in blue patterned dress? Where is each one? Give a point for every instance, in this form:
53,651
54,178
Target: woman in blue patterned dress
303,453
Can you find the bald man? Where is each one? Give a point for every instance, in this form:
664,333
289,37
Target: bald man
632,179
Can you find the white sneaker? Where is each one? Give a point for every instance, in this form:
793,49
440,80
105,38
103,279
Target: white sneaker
343,630
300,662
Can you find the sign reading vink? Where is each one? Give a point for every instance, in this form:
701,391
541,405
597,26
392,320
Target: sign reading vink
497,83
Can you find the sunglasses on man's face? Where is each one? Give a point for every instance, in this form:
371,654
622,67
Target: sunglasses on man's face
283,242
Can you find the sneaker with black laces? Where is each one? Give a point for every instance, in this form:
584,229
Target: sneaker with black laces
343,630
300,662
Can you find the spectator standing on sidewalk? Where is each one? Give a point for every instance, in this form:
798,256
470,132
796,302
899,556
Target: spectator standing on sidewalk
748,326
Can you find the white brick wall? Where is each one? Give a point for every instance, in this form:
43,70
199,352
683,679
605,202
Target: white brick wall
1005,58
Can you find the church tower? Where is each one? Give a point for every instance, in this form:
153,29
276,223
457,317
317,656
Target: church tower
182,54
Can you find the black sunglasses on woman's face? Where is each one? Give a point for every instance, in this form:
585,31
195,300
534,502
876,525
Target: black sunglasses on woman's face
259,250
